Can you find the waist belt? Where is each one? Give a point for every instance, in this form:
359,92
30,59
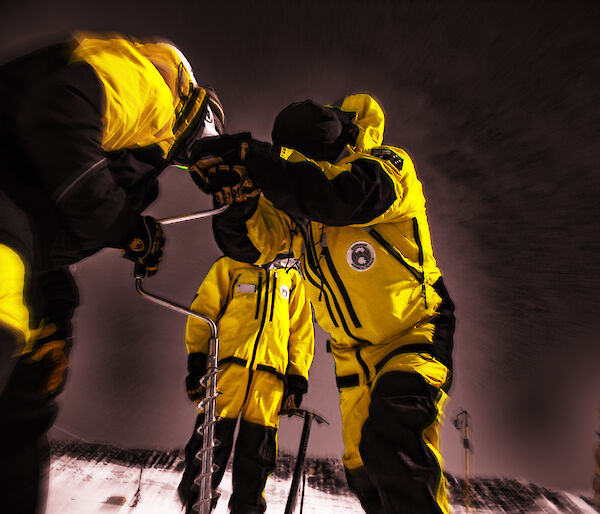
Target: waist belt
354,379
259,367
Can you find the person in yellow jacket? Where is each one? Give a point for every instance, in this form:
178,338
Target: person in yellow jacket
353,210
266,347
87,125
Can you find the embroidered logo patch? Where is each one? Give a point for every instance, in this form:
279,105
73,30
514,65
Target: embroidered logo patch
360,256
285,292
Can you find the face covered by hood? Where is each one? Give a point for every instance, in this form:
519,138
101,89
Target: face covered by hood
208,121
198,110
318,132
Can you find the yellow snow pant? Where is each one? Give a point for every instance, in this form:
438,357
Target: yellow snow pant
14,314
391,412
254,397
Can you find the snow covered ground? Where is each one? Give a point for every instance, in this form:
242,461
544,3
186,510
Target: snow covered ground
88,479
78,486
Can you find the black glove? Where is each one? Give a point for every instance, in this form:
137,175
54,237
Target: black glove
196,370
226,182
49,357
230,148
295,388
144,244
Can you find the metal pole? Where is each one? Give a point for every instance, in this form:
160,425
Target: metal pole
209,380
207,428
192,216
466,445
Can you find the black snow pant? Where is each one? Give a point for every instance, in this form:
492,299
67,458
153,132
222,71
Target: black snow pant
401,474
254,460
25,417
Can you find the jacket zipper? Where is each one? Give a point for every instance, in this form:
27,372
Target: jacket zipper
363,365
258,295
303,229
421,257
325,295
314,267
232,292
396,254
273,295
340,285
260,329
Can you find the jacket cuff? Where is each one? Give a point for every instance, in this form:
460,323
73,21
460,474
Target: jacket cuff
296,383
197,363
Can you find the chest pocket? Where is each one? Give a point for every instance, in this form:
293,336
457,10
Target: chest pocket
245,294
245,288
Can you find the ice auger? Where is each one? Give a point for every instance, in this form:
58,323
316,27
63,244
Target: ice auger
209,380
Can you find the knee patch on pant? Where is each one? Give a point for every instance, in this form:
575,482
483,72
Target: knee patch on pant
253,462
402,466
187,490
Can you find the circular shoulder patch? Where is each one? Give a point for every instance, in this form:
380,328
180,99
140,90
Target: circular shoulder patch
360,256
284,291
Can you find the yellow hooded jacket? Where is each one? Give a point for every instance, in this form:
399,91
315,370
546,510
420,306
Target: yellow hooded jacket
151,94
360,228
263,316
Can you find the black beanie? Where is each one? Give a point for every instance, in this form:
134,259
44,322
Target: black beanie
316,131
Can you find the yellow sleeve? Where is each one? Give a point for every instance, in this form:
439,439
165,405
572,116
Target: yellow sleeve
271,232
301,345
139,106
210,301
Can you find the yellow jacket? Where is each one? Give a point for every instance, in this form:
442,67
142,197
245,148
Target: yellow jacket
263,316
360,228
151,95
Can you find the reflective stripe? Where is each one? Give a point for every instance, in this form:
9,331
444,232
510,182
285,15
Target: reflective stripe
67,190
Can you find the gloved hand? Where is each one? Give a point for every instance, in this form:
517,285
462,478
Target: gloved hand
295,388
144,244
196,370
230,148
49,356
227,183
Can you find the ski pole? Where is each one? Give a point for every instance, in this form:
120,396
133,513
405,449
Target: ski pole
209,381
308,417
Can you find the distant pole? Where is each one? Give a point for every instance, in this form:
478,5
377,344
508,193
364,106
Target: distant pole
596,484
461,422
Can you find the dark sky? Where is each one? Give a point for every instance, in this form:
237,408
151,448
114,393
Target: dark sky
497,104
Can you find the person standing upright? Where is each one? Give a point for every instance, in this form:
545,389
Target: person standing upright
266,347
352,209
